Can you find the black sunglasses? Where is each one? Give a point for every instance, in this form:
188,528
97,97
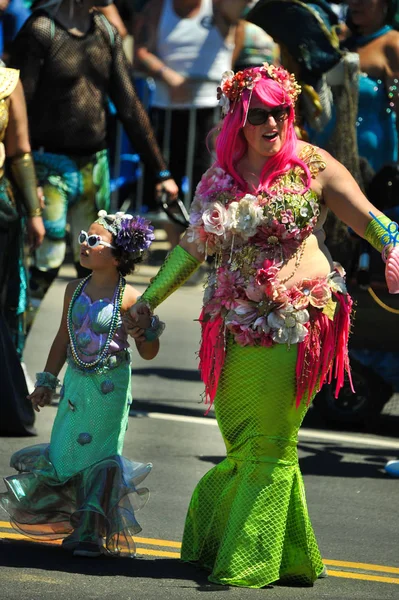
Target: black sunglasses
258,116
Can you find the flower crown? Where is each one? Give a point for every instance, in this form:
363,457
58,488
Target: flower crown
132,234
233,84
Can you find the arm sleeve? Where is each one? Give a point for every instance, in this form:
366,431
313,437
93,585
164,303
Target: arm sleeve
28,52
132,113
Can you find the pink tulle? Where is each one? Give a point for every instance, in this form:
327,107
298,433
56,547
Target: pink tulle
324,353
392,271
211,354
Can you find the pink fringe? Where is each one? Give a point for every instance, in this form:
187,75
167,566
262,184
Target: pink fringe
324,353
211,354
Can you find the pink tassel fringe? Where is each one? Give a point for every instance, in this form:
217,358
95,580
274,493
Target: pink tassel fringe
211,354
324,352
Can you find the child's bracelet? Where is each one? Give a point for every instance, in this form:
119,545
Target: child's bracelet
155,330
47,380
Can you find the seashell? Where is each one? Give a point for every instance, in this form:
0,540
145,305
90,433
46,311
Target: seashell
80,310
107,386
84,438
392,271
83,339
100,315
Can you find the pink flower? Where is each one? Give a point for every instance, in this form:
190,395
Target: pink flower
267,273
215,219
214,180
315,292
228,287
206,242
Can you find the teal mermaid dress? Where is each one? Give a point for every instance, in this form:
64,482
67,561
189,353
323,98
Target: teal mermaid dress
80,487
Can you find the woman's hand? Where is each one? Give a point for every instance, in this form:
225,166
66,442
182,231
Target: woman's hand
138,315
36,232
41,396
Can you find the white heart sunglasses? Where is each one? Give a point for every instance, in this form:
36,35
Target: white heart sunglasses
93,240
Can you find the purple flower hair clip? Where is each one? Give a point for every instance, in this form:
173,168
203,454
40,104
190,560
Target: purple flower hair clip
133,234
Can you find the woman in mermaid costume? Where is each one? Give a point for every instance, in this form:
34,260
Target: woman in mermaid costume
80,488
275,326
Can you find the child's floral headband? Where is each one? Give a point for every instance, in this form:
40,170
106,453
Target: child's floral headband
233,84
133,234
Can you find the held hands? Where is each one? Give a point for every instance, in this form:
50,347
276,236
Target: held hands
136,320
41,396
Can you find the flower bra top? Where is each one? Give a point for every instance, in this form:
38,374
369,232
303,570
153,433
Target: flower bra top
91,322
223,219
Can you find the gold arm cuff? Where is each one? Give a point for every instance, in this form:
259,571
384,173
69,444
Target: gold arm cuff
23,173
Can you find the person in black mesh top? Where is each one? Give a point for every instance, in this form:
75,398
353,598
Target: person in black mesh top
71,62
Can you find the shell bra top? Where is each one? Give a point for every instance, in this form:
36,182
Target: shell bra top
252,238
91,322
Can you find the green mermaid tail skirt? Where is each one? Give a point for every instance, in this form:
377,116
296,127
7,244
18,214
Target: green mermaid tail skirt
79,487
247,521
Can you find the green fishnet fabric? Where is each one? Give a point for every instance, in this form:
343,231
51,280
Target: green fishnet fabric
177,268
247,521
375,232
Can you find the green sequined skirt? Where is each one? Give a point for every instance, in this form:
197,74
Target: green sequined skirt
248,522
79,487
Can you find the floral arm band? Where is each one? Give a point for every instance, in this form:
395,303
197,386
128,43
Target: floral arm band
382,233
23,173
47,380
177,268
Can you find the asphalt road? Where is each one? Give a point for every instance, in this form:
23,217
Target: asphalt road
352,503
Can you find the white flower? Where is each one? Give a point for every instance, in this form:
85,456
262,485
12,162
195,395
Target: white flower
244,216
215,218
337,283
287,325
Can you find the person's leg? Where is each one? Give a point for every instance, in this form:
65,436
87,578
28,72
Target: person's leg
50,255
95,196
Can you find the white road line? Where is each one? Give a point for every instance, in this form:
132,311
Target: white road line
304,433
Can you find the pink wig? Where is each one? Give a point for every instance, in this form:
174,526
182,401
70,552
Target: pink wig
231,144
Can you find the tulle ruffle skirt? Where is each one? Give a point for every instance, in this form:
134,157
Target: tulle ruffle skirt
79,488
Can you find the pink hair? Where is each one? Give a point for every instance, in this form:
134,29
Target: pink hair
231,144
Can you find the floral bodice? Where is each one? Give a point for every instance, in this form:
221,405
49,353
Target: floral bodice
91,322
251,238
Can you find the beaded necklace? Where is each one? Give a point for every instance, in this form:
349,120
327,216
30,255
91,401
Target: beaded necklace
117,302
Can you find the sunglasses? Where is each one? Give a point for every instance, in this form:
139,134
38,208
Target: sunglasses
93,240
258,116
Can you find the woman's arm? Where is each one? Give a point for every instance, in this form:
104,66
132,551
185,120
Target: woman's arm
17,147
343,196
113,16
147,349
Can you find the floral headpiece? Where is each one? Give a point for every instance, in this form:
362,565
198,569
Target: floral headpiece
233,84
133,234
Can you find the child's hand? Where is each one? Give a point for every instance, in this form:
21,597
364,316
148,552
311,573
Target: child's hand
41,396
137,333
140,315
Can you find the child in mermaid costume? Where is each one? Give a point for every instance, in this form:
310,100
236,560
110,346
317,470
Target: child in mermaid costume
275,325
80,488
